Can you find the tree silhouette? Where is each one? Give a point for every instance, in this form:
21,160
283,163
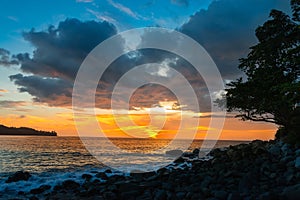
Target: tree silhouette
271,91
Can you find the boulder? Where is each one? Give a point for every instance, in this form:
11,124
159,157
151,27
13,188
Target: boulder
196,152
220,194
291,192
297,152
160,195
102,175
87,177
234,196
40,190
286,149
274,150
18,176
70,185
297,162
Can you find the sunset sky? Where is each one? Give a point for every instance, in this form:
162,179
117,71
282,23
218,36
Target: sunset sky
43,43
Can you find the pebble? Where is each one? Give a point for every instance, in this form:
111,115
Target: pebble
258,170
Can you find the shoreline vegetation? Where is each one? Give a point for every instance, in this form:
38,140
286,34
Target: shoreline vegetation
257,170
24,131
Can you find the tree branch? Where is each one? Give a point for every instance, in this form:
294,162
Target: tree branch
257,119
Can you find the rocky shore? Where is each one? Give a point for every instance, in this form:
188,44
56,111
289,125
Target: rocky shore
258,170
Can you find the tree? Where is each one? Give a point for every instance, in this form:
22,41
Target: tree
271,91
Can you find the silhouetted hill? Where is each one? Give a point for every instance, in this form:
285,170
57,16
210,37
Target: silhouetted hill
4,130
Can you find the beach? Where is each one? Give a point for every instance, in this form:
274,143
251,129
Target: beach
258,170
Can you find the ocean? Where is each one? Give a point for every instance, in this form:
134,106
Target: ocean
50,160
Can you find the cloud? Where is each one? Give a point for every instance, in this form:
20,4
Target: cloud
54,91
124,9
180,2
12,104
13,18
84,1
59,52
57,57
227,29
102,16
163,71
5,58
3,90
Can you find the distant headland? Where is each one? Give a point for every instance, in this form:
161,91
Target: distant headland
4,130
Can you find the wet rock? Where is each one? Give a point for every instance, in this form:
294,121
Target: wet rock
129,195
110,195
188,155
167,186
137,176
147,195
216,152
125,187
205,183
57,188
286,149
287,159
40,190
70,185
196,152
245,183
233,154
160,195
180,195
102,175
151,184
221,194
274,150
87,177
197,196
18,176
111,187
179,160
116,178
96,181
297,162
297,152
291,163
234,196
90,192
267,196
291,192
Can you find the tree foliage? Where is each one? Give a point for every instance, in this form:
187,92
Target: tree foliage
271,91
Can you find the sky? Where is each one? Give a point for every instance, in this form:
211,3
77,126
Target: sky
43,43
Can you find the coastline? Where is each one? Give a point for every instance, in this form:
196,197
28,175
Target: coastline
24,131
29,134
258,170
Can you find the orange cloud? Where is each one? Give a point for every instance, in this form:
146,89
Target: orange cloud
4,91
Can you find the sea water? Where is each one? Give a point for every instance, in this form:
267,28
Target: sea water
51,160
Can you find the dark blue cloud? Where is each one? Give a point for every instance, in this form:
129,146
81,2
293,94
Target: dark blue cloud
60,51
6,59
227,29
57,57
54,91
